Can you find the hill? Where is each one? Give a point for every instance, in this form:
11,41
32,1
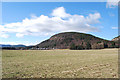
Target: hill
116,39
75,40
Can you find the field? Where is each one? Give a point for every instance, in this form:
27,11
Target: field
60,63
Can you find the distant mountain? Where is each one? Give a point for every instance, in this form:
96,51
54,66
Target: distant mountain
75,40
15,47
18,46
3,45
116,38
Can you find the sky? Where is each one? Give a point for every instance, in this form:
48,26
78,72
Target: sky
30,23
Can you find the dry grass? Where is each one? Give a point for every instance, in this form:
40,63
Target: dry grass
60,63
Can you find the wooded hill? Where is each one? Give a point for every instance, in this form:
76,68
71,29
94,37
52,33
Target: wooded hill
77,41
116,39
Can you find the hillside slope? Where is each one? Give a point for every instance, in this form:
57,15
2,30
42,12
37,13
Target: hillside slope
116,38
75,40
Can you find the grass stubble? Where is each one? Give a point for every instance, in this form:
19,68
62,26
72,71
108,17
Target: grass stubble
60,63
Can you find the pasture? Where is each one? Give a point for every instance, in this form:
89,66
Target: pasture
60,63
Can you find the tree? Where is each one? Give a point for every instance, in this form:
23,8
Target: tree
105,45
55,44
80,47
88,46
37,46
72,47
113,45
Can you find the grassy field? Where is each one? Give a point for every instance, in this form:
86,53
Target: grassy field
60,63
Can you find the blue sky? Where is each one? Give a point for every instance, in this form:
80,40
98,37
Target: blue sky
37,21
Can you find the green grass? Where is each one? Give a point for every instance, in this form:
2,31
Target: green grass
60,63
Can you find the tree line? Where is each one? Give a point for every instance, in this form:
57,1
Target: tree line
101,45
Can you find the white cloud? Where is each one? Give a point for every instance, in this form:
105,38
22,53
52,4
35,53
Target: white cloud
112,3
3,35
60,12
114,27
44,25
